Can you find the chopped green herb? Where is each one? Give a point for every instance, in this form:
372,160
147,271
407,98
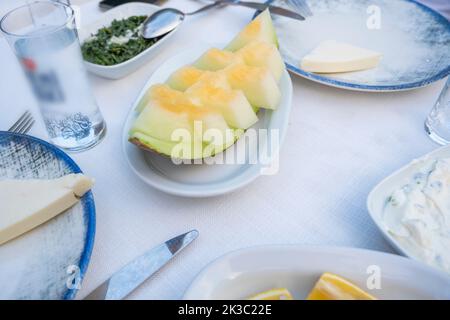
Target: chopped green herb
117,43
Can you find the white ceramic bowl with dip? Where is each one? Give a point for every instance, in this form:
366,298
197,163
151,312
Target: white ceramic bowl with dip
124,11
378,197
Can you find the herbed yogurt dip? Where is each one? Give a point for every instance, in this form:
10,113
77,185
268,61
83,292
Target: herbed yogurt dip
418,214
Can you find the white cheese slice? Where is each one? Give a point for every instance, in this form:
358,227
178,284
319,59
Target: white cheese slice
25,204
332,56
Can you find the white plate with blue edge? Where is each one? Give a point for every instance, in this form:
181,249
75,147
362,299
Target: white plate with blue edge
378,197
49,261
413,39
205,180
246,272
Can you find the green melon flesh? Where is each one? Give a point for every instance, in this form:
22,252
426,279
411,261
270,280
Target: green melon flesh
263,54
258,84
261,28
232,104
160,92
213,79
204,108
165,147
184,77
215,59
160,123
172,118
176,150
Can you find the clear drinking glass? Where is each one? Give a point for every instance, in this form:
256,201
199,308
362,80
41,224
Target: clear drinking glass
437,125
43,36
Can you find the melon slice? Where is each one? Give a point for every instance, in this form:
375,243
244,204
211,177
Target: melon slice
171,121
213,79
232,104
263,54
215,59
167,148
261,28
257,83
159,92
184,77
160,119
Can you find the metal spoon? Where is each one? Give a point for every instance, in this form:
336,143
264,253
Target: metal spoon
165,20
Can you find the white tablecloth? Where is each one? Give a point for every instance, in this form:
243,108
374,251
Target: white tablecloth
338,146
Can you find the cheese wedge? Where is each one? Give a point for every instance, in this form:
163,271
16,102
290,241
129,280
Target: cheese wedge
25,204
332,56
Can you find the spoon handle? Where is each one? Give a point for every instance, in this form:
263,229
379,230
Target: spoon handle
207,7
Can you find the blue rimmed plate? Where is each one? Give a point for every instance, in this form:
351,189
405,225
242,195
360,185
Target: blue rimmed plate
49,261
414,41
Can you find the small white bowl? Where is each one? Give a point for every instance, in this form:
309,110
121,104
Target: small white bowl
378,196
120,70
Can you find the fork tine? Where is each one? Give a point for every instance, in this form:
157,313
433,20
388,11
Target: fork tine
22,122
19,121
301,6
306,7
24,125
28,127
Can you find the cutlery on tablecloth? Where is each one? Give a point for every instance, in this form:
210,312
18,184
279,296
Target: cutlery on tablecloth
108,4
127,279
23,124
165,20
262,6
301,6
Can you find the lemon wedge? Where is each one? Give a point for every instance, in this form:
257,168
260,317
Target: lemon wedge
333,287
273,294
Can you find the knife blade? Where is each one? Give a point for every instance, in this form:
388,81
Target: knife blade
127,279
262,6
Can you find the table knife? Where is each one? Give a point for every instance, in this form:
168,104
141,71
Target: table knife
127,279
262,6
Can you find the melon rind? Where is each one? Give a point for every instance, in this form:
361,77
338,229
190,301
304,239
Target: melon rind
261,28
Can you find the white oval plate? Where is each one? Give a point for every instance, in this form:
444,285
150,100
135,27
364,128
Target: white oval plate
378,196
243,273
203,180
127,10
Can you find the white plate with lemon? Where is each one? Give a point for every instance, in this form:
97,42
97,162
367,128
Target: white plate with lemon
211,120
300,272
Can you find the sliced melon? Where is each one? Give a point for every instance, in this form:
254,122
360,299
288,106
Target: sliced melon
167,148
257,83
232,104
213,79
261,28
173,118
160,120
211,101
184,77
263,54
215,59
159,92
